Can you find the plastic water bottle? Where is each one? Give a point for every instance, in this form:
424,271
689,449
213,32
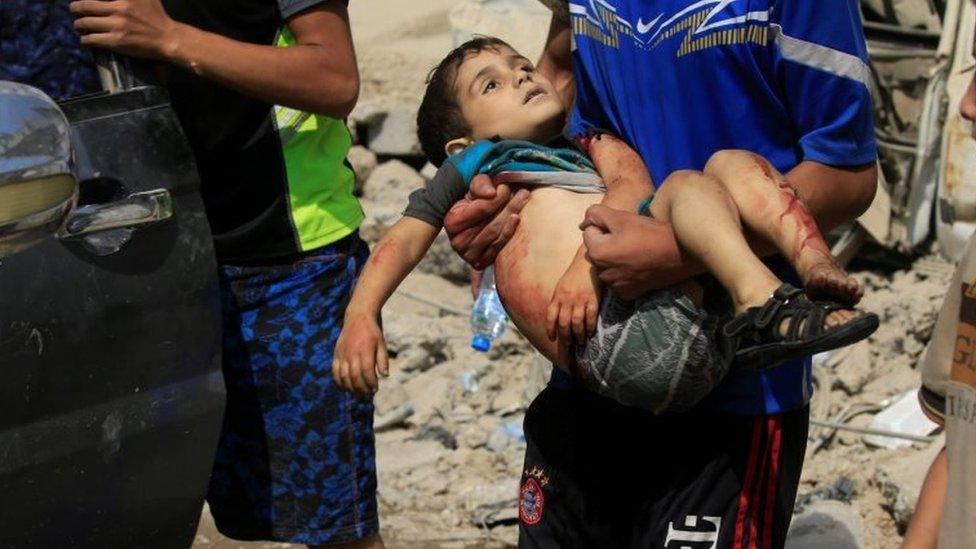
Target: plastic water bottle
488,318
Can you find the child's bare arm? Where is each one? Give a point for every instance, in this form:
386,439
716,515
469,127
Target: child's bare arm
575,302
360,350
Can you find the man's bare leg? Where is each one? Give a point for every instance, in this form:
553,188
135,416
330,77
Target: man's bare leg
706,224
769,206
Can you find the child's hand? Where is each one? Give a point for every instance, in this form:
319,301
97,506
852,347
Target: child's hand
575,304
359,354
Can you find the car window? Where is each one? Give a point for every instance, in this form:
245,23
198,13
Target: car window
39,47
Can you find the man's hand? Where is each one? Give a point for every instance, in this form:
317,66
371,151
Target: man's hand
359,354
575,303
140,28
633,254
482,223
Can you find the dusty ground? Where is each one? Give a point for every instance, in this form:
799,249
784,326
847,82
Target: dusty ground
448,444
448,470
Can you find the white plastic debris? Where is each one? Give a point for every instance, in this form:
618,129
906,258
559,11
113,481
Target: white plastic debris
903,416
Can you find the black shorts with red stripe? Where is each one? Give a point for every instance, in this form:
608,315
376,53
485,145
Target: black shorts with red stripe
599,474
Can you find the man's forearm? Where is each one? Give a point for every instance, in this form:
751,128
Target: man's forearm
304,76
318,74
556,61
834,195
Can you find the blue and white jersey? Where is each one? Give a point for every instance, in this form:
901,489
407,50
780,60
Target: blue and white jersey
682,79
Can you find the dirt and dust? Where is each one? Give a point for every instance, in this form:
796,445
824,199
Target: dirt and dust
449,440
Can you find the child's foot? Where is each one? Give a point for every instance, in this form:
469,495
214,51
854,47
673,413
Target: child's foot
789,325
827,281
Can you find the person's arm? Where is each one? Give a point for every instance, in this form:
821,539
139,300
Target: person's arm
481,224
360,350
556,61
923,528
318,74
575,301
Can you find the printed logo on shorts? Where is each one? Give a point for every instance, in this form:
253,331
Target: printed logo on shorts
694,533
531,499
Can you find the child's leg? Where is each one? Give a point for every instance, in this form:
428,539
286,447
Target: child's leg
706,223
774,322
769,206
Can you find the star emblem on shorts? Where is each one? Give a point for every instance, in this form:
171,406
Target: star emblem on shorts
538,474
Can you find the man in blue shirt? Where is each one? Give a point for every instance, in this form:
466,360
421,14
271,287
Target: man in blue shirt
680,80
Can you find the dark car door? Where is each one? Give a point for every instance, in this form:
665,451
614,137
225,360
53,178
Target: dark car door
111,394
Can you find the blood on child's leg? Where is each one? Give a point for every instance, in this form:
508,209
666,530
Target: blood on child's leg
771,207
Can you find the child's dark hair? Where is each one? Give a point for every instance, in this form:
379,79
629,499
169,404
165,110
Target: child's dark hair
439,119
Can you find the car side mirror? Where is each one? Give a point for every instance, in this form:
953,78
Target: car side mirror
37,188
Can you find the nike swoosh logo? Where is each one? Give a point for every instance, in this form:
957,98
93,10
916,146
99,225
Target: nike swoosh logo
642,27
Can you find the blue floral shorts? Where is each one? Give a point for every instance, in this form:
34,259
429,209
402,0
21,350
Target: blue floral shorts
296,460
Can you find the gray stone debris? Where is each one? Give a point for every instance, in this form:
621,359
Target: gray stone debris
391,183
896,500
852,367
826,524
363,162
518,22
443,261
428,171
390,132
384,197
899,479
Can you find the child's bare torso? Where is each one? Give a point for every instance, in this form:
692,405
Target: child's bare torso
531,264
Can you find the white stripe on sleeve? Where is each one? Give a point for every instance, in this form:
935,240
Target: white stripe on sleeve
821,57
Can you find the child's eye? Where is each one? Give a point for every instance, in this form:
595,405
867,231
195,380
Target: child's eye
490,86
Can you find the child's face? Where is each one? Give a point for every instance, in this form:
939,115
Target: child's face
501,94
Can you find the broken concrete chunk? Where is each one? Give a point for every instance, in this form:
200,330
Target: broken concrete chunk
843,490
897,502
521,23
363,162
507,400
852,367
899,479
428,171
391,183
379,218
826,524
393,419
443,261
392,132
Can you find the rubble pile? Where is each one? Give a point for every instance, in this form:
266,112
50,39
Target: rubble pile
880,485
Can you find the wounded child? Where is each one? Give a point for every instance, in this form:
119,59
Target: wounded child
487,111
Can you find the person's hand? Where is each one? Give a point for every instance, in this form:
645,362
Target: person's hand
140,28
629,250
575,304
360,353
482,223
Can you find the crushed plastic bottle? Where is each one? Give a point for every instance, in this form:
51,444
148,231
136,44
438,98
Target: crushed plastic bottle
488,317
